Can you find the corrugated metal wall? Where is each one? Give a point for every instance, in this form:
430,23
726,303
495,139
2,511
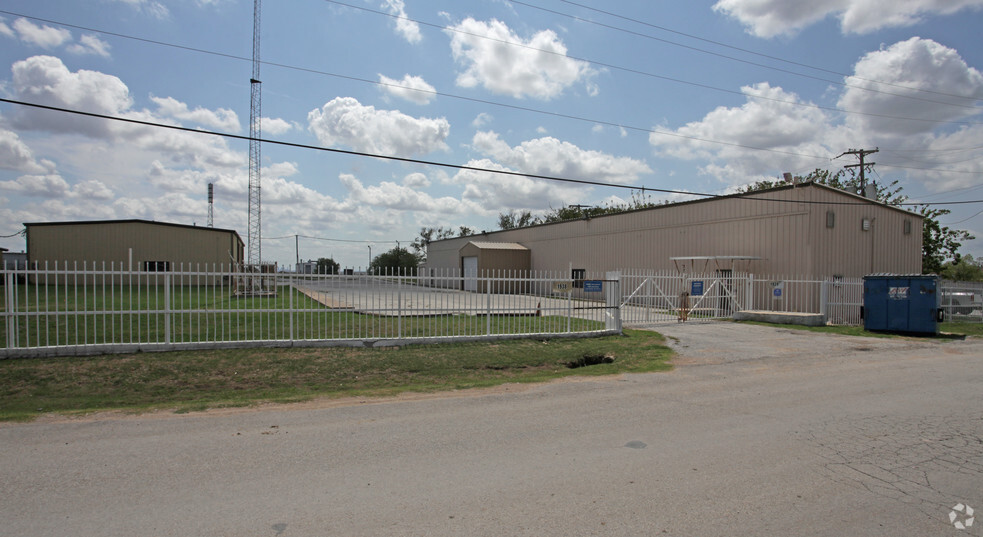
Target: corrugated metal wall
785,227
185,248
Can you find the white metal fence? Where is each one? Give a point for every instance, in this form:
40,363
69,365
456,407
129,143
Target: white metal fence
963,301
652,297
105,308
655,297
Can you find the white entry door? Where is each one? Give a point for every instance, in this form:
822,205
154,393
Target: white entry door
470,273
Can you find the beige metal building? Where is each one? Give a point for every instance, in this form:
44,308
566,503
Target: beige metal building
806,229
492,256
137,245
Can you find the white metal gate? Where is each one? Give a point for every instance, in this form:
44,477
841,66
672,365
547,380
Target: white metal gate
655,297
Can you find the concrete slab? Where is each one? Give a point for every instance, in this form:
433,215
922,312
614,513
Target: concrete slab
781,317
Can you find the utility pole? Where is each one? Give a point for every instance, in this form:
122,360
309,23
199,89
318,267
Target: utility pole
860,153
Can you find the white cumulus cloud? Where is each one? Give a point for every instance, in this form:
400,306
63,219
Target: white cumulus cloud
769,18
765,137
6,30
401,197
497,193
411,88
409,30
345,121
151,7
276,126
724,138
42,36
550,156
46,80
222,119
904,68
90,44
16,155
495,58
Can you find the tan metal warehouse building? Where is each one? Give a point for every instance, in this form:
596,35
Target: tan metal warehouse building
807,229
138,245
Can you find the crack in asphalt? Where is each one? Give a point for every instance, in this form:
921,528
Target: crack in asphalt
931,463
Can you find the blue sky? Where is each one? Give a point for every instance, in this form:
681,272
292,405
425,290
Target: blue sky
688,96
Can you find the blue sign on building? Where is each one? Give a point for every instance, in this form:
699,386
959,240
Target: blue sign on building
593,286
696,288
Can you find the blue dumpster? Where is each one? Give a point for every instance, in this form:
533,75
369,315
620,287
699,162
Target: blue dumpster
902,303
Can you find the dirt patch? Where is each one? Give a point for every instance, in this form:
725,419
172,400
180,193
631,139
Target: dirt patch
314,404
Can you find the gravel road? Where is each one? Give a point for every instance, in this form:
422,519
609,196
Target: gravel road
758,431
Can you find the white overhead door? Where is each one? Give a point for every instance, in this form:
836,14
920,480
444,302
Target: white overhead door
470,273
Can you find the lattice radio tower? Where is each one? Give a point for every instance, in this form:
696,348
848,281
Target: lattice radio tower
255,254
211,205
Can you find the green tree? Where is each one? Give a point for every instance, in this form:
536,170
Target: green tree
327,265
939,243
966,269
397,260
428,234
516,219
513,220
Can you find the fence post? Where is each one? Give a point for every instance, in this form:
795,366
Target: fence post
823,298
399,302
612,300
750,292
9,311
167,307
290,292
488,306
651,298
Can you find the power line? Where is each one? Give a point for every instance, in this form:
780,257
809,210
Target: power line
449,95
327,239
964,219
20,233
435,163
770,57
648,74
756,64
472,99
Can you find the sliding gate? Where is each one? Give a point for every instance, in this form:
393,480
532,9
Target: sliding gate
655,297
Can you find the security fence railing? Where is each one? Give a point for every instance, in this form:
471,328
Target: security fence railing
658,296
962,301
86,309
90,309
652,297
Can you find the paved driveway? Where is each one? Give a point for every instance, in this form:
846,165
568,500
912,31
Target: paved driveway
759,431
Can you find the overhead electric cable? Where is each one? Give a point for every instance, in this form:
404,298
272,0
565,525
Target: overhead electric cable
963,220
748,62
749,196
382,241
648,74
768,56
461,97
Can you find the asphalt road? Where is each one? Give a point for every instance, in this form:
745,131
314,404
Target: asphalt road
758,431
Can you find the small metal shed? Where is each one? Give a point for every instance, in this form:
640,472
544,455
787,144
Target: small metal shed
480,259
901,303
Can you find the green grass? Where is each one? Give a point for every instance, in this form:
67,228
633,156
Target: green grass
196,380
958,329
210,314
962,328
